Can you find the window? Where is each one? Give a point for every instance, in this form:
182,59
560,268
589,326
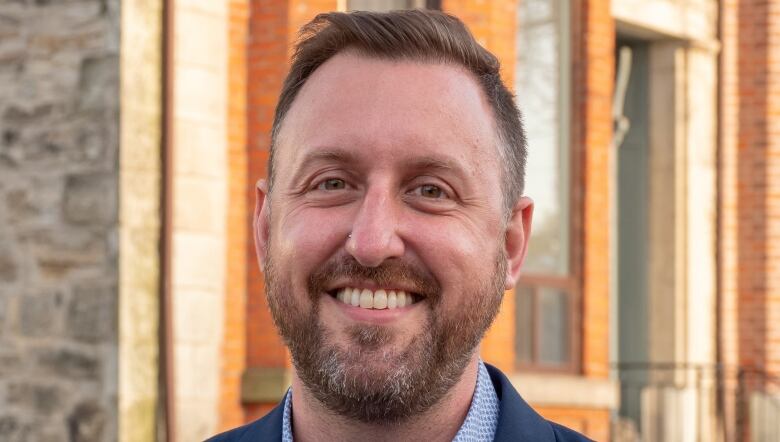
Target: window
546,295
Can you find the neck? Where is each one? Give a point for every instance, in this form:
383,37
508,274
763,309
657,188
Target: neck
312,421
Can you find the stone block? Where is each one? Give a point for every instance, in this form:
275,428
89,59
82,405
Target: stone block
201,96
197,318
14,429
9,269
10,361
67,363
87,422
198,261
92,314
139,417
22,130
57,251
98,82
33,200
140,202
141,129
139,261
197,208
3,312
39,398
217,9
199,36
197,372
201,422
40,314
55,136
90,199
202,150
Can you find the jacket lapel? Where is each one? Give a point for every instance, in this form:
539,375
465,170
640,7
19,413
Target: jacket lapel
268,428
517,421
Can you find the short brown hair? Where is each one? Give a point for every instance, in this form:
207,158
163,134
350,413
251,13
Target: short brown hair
424,35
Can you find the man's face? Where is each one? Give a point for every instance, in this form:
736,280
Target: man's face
387,180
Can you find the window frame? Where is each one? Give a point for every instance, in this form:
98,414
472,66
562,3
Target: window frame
570,283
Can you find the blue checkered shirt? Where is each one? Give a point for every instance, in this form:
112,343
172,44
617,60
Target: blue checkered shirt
480,423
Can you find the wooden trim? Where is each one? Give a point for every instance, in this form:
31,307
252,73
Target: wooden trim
573,309
570,283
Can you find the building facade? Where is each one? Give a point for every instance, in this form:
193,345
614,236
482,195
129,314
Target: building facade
132,133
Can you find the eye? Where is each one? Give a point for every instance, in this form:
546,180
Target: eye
332,184
431,191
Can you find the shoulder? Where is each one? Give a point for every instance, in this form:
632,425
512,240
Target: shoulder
518,421
563,434
233,435
269,427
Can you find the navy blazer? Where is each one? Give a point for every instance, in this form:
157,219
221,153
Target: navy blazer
517,421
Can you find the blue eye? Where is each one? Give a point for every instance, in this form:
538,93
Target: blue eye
332,184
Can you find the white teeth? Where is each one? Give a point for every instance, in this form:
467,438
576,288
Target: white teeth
355,297
392,299
366,299
381,299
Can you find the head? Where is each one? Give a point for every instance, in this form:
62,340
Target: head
417,35
396,168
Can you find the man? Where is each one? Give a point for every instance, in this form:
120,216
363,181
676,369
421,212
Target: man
391,224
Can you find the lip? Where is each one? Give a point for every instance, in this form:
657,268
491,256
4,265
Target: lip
372,316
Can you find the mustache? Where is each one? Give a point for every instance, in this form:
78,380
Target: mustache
389,273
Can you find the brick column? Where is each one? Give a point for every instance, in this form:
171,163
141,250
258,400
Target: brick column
231,413
494,25
750,191
273,25
593,73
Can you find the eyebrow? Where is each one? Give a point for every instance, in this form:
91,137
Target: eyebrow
328,155
433,163
331,155
344,157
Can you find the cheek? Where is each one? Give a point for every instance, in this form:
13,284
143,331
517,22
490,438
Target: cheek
308,237
455,251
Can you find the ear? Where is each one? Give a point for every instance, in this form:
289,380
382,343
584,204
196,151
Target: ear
260,222
518,230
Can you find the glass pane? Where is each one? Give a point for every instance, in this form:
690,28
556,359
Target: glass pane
553,327
542,94
524,324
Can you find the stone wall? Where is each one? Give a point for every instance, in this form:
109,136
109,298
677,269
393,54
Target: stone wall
58,219
198,230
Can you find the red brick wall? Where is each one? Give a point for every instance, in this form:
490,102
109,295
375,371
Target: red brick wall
750,187
273,25
593,73
231,413
494,26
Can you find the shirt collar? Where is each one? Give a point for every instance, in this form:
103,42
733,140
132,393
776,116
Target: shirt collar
480,423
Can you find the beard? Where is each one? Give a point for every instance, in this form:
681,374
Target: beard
369,382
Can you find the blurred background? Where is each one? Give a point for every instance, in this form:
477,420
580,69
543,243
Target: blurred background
132,133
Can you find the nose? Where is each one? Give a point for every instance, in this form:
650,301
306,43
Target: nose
374,236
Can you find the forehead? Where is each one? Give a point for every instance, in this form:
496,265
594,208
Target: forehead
390,109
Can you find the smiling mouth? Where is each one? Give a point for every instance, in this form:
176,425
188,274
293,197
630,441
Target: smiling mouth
375,299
